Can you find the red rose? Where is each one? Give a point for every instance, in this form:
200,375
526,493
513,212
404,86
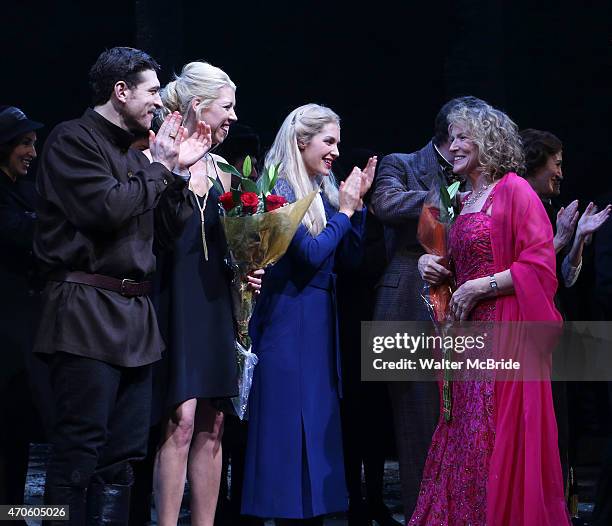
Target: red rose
227,200
274,201
249,201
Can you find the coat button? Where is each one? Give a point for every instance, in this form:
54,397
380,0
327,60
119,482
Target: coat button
165,181
130,174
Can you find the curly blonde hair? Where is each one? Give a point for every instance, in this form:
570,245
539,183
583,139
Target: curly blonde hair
500,149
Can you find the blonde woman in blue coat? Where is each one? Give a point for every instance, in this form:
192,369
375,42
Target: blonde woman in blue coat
294,465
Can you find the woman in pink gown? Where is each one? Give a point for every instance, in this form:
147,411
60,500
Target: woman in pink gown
496,462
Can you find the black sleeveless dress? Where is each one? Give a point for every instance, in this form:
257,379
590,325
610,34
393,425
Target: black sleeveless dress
195,315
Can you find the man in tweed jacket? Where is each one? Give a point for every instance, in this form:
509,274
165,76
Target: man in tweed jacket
402,184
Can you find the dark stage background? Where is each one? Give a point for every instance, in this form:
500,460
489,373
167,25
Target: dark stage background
385,69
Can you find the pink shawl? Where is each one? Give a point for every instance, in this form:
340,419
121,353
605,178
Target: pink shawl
525,485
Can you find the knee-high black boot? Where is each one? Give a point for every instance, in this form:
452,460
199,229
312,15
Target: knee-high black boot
108,504
74,497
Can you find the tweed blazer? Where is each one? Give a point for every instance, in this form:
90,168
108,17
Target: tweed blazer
402,184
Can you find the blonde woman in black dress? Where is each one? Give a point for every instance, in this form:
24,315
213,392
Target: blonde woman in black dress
196,315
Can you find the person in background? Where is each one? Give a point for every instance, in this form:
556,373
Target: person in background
20,297
402,184
572,231
294,465
543,170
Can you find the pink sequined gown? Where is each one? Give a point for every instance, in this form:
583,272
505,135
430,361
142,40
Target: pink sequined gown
454,484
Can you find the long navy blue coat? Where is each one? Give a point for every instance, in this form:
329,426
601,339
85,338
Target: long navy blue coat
294,463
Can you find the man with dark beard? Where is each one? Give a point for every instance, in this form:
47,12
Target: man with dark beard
103,204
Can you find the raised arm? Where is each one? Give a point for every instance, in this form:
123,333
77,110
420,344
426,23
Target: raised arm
88,193
590,221
176,205
313,251
172,212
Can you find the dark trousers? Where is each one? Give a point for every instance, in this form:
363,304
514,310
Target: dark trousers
369,448
15,417
416,411
235,434
141,497
102,421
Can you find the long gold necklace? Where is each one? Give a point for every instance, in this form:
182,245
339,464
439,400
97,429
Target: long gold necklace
202,207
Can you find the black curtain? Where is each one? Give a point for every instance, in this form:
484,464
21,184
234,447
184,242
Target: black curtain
386,69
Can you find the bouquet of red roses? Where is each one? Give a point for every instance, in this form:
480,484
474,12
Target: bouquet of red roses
259,226
250,198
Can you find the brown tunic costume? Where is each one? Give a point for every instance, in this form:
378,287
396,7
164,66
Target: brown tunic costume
103,205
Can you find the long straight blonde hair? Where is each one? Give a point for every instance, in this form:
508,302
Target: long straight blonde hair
300,126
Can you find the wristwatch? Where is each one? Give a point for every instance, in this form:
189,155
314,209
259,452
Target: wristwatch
493,284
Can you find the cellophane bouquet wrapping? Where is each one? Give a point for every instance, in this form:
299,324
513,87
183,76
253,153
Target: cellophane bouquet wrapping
440,209
259,227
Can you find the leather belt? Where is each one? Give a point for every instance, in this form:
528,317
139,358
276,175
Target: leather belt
126,287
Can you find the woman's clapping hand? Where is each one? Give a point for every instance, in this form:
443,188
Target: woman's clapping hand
368,175
349,194
566,222
591,220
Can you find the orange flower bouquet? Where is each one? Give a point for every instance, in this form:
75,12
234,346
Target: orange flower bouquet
439,211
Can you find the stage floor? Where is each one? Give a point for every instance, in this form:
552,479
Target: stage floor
39,453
